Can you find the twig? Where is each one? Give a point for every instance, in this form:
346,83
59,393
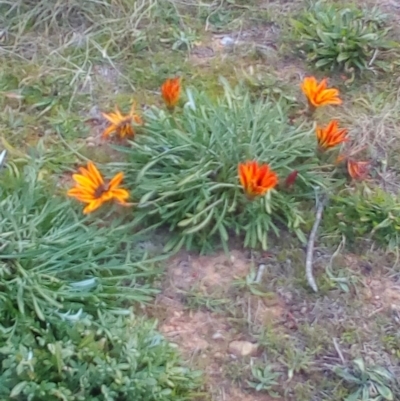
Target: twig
310,244
336,253
339,352
373,58
260,273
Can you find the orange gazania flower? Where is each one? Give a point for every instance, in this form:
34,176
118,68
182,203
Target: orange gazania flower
331,136
170,91
357,170
318,94
256,179
91,189
120,124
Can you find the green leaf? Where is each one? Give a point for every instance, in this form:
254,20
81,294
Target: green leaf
17,389
354,396
383,372
384,391
322,63
342,57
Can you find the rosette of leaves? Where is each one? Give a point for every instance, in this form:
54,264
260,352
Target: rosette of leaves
53,259
367,383
183,170
110,358
345,39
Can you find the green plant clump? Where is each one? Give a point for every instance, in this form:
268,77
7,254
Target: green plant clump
368,383
183,169
337,38
109,359
365,213
52,259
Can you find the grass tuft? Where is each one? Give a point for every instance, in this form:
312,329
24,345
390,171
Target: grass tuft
52,260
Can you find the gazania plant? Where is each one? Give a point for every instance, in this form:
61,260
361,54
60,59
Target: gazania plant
56,261
214,170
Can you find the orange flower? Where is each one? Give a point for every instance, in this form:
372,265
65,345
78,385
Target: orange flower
170,91
256,179
317,94
120,124
357,170
331,136
91,189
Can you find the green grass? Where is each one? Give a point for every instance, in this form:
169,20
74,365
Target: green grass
53,261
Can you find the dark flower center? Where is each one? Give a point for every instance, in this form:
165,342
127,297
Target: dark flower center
100,190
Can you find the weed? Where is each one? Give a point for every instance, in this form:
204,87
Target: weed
342,38
195,300
235,370
367,383
264,378
252,283
368,213
296,361
109,358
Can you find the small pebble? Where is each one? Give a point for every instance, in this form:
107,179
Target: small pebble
243,348
95,113
227,41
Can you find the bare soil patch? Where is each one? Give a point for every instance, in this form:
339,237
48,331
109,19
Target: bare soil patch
206,337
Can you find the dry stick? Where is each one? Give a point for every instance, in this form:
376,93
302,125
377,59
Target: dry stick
310,246
339,352
260,273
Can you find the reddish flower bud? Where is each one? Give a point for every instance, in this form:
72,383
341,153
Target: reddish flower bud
291,178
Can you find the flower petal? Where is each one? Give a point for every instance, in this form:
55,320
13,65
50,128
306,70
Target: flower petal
80,194
113,118
92,206
109,130
116,180
95,174
84,182
120,194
